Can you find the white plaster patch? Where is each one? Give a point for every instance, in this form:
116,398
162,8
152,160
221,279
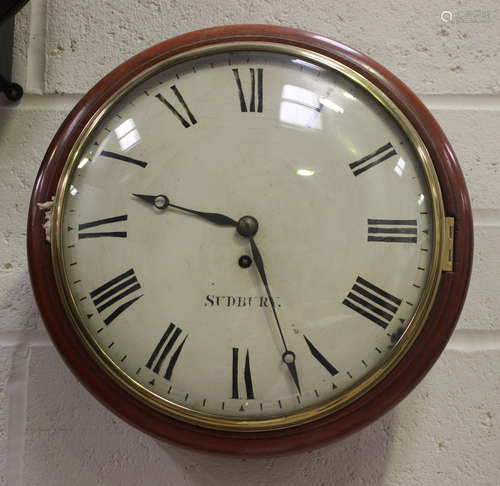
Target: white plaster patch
47,207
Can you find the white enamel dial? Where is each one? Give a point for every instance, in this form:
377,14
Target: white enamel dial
345,234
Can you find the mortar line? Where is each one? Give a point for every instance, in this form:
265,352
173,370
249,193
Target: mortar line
48,102
19,62
17,338
35,72
461,102
486,217
462,339
17,390
474,340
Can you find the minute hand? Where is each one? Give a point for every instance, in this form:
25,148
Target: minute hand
288,356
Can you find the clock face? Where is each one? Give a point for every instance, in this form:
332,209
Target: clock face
280,324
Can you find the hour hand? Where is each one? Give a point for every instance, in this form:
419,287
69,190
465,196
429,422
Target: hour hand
162,202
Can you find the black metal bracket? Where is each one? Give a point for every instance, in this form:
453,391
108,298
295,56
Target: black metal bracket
12,91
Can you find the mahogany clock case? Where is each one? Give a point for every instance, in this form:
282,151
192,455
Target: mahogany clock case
388,392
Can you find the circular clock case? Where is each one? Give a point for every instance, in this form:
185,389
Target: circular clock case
250,240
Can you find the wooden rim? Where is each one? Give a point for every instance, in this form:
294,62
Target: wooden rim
390,390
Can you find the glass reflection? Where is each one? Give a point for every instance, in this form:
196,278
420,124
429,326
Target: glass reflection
305,172
83,162
330,104
349,95
127,134
307,64
399,168
300,107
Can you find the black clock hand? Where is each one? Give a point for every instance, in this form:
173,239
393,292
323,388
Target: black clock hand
162,202
288,356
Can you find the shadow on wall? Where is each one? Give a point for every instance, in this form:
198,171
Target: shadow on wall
5,113
357,460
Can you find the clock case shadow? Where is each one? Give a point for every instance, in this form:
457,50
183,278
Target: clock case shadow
358,459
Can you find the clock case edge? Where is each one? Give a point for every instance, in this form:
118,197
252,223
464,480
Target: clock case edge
389,391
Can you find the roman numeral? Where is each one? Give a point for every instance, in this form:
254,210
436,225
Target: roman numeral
373,159
326,364
246,375
123,158
392,230
243,104
178,95
115,292
372,302
165,346
100,222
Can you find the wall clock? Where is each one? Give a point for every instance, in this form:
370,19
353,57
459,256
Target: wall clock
250,240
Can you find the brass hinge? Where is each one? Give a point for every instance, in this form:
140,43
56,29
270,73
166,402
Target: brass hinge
449,237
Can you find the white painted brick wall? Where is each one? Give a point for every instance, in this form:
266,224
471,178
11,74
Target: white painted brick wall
447,432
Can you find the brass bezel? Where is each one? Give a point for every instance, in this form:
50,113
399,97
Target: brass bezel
310,414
